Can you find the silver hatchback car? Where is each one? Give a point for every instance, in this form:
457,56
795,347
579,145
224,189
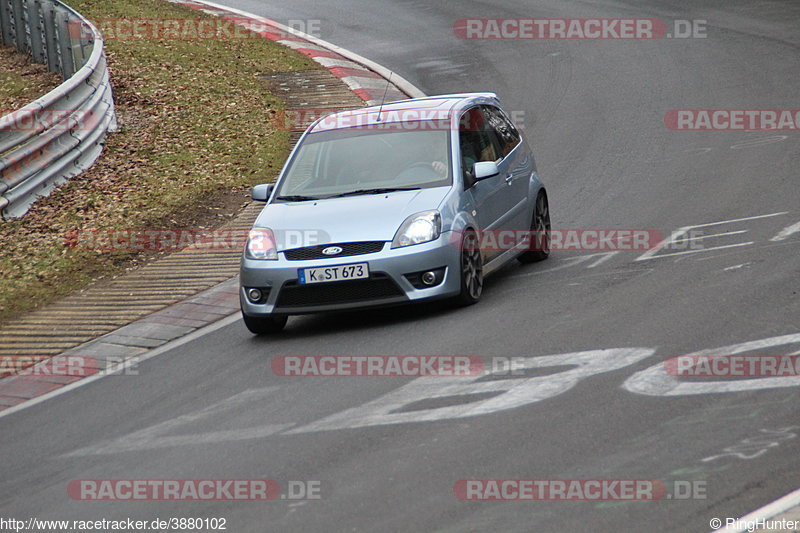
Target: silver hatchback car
390,204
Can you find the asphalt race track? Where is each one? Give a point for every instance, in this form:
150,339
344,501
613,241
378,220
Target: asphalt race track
387,452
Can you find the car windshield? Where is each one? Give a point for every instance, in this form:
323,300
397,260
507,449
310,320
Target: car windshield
355,161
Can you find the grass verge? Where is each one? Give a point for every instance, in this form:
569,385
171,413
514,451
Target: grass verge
195,124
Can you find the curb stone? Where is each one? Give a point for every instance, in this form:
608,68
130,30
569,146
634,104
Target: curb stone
365,78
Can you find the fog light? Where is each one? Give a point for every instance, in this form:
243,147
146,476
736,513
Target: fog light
254,295
429,277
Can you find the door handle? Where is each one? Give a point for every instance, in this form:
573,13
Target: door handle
510,178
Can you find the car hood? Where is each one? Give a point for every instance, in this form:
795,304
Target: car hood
370,217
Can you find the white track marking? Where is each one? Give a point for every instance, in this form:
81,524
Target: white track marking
603,258
786,232
687,252
570,262
655,381
760,247
755,446
739,220
735,267
397,406
157,436
759,142
649,254
701,237
676,237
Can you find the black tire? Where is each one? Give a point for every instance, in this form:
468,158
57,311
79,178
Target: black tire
471,269
540,230
265,325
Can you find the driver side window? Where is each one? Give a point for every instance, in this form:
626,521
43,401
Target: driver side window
476,144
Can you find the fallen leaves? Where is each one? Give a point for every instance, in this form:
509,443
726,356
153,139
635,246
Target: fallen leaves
194,126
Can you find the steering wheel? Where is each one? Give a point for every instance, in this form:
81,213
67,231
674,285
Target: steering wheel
410,170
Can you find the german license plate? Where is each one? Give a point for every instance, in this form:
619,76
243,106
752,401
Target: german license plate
333,273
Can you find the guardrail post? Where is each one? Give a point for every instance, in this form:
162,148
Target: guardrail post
64,43
81,38
35,24
18,25
26,26
6,36
50,43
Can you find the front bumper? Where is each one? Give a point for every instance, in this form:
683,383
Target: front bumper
387,284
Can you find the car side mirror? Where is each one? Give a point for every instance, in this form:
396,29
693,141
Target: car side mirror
485,169
262,192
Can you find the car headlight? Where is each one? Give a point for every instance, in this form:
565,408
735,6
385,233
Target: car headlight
261,244
418,228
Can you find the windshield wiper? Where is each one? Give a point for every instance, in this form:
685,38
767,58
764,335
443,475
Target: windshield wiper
296,198
373,191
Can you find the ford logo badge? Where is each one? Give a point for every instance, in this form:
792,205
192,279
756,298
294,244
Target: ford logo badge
332,250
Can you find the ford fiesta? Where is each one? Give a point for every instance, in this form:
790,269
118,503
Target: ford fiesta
387,205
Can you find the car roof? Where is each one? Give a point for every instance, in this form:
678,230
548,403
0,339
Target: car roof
439,107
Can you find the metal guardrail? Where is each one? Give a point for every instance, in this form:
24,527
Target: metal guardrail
62,133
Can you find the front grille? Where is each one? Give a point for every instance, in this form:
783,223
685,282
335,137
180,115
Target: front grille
348,248
377,286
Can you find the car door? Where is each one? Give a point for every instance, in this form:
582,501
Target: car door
476,144
515,166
